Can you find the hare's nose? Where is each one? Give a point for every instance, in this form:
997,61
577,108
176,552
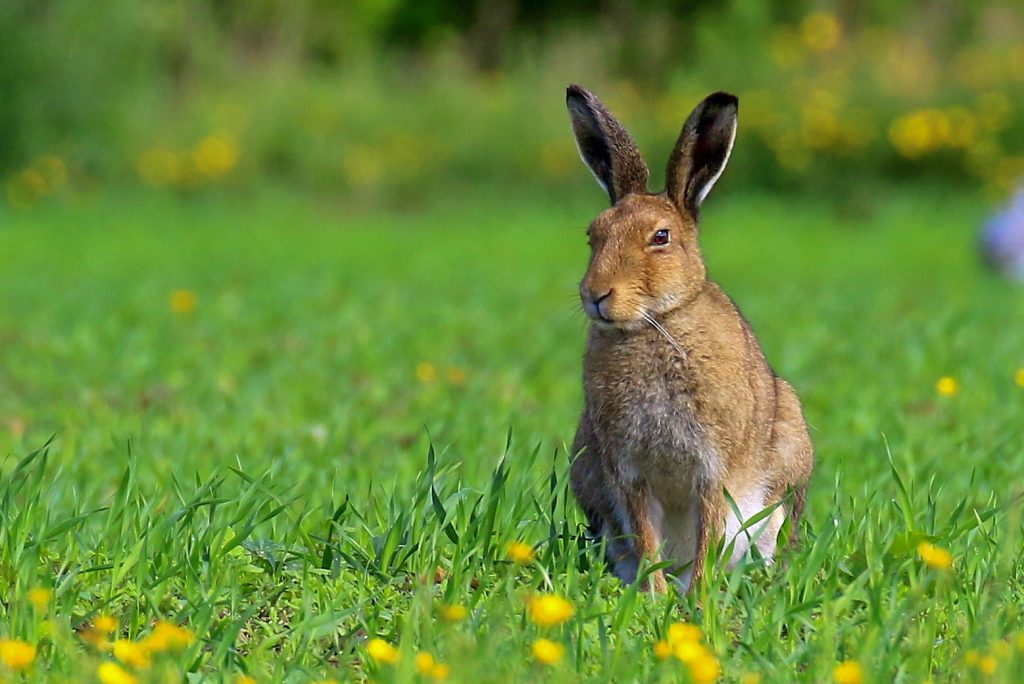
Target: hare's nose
592,302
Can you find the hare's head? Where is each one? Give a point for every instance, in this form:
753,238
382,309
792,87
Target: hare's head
644,258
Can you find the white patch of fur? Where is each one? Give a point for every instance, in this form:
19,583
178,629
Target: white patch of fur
763,534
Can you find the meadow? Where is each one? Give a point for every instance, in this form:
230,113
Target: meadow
293,429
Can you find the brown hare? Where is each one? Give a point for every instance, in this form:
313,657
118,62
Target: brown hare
680,404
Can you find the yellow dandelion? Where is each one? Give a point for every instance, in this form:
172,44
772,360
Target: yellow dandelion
820,31
688,651
519,552
131,653
662,650
947,386
548,652
453,612
216,155
440,672
244,679
987,664
750,678
112,673
1019,377
168,636
383,652
40,598
424,663
183,302
104,624
548,610
935,556
681,631
971,657
425,372
457,376
705,669
1020,642
17,655
848,672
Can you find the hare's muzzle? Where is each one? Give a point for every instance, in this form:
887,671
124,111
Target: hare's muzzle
596,304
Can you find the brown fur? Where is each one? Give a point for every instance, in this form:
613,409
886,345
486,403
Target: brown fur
674,417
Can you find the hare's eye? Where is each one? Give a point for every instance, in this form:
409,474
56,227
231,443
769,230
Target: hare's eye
660,237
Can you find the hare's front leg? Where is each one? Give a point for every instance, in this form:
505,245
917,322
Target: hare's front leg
634,503
713,509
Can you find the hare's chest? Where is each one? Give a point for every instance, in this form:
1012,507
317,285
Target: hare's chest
645,410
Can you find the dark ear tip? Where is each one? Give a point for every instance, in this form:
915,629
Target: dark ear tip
575,92
723,100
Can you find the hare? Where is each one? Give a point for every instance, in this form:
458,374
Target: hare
680,404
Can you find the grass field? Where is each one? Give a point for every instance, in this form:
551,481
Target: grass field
338,438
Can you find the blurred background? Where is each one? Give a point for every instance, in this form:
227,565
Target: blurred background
397,101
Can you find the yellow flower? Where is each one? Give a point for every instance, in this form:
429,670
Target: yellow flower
750,678
705,669
167,636
947,386
15,654
104,624
548,610
971,657
820,31
244,679
457,376
215,155
183,301
131,653
424,663
519,552
681,631
688,651
453,612
848,672
440,672
987,664
935,556
111,673
40,598
548,652
425,372
1019,377
662,649
1020,642
383,652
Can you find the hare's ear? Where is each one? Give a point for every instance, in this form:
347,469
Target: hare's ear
605,146
702,151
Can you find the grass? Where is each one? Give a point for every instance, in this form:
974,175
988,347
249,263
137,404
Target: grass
363,411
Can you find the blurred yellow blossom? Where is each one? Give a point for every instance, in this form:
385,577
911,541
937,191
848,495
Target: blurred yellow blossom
453,612
549,610
548,652
519,552
987,664
131,653
16,654
112,673
662,649
457,376
105,624
424,663
947,386
216,155
688,651
440,672
245,679
426,372
820,31
183,302
750,678
848,672
40,598
681,631
167,636
705,669
935,556
1019,377
382,651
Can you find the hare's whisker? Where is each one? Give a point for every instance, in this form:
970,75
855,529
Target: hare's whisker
658,326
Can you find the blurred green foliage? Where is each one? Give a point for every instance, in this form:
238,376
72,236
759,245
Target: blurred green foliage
394,99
